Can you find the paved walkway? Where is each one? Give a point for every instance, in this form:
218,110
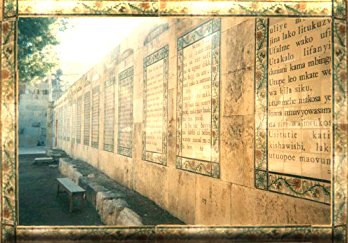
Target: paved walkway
38,203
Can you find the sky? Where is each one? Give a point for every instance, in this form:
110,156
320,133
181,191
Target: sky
88,40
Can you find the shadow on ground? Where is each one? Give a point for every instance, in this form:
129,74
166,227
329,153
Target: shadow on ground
38,203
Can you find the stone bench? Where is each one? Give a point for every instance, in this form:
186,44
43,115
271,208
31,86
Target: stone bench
72,189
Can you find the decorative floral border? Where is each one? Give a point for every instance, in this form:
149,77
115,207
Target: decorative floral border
161,54
260,77
158,8
296,186
252,8
173,233
260,8
8,128
155,32
129,72
340,127
10,8
212,167
340,9
300,187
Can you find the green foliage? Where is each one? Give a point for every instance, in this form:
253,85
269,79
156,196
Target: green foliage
36,40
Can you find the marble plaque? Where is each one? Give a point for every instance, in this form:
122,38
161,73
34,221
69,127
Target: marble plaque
86,117
125,112
95,118
300,107
155,106
78,119
198,100
109,115
67,120
73,121
64,123
60,123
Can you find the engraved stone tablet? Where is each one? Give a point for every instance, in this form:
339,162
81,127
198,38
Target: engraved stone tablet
198,99
155,106
125,112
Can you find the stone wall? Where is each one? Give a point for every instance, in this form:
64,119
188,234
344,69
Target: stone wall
221,191
32,119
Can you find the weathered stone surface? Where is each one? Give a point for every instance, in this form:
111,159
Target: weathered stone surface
250,206
91,189
109,204
129,218
238,92
239,40
182,200
237,140
212,202
67,169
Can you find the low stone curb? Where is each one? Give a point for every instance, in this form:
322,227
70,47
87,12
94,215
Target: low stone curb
43,161
111,206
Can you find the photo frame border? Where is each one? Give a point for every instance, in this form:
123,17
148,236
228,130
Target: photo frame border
336,231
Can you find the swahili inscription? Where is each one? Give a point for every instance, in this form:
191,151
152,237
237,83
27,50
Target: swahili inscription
78,119
155,106
300,98
95,117
125,112
198,93
109,113
86,117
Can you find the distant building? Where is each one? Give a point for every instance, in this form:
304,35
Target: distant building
34,103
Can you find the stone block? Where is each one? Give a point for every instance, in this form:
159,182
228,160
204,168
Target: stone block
67,169
238,40
128,217
237,160
152,182
251,206
237,93
181,199
92,188
213,204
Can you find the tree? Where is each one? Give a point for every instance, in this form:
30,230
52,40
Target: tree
36,40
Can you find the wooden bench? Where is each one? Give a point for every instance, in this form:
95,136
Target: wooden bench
72,189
